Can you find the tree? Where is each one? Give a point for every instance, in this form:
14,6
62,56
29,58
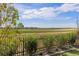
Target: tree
8,15
8,18
20,25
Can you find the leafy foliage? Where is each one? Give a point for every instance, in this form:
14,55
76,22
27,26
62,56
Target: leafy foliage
20,25
8,45
8,17
31,46
8,14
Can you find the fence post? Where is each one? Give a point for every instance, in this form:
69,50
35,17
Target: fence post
23,46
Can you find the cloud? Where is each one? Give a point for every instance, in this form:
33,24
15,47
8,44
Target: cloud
45,12
49,12
68,8
68,18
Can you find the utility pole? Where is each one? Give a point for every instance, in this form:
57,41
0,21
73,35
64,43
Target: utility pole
77,36
77,21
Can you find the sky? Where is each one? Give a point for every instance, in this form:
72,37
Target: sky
48,15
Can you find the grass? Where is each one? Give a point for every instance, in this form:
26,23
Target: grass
45,38
72,53
44,30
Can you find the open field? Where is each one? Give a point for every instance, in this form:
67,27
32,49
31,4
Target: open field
47,30
39,38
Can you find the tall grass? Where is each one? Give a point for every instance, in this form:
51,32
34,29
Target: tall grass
31,46
9,45
59,41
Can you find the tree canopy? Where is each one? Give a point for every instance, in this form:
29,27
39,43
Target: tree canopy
8,15
20,25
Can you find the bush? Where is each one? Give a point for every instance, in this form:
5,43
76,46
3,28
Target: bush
7,46
31,46
72,38
48,43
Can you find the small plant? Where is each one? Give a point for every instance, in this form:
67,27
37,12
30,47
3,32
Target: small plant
72,38
12,47
48,43
31,46
7,47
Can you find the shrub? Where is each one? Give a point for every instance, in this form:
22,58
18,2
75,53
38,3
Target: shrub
48,42
31,46
72,38
7,46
